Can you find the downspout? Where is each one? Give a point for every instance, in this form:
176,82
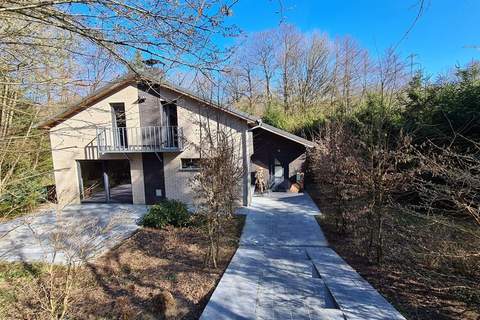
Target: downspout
247,164
259,124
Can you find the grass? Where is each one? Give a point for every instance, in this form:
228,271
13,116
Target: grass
431,267
125,282
17,270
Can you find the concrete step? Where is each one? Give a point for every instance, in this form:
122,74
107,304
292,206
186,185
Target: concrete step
289,296
353,295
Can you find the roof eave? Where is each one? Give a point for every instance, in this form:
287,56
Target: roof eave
231,111
130,78
286,135
86,102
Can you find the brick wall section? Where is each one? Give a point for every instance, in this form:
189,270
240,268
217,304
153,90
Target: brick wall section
191,114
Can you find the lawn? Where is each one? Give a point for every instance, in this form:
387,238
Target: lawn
132,280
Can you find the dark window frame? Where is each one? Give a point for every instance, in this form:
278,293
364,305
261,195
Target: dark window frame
190,164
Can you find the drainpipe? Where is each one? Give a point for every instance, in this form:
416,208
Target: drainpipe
259,124
246,181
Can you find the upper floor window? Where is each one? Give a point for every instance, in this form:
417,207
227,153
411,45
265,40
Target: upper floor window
118,115
169,116
119,123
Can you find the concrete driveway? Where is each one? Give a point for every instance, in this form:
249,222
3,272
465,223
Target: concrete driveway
77,232
284,269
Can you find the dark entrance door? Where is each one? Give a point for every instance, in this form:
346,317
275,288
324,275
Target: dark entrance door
105,181
154,177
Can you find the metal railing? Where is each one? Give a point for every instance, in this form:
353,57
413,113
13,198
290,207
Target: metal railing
140,139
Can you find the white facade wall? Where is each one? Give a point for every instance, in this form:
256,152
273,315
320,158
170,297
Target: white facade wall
74,139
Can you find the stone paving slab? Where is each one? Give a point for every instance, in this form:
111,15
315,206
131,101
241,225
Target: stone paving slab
263,283
301,297
282,220
278,271
78,231
235,296
354,295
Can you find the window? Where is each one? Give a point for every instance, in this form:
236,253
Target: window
119,119
119,122
190,164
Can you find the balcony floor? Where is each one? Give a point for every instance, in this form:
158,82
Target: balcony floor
139,150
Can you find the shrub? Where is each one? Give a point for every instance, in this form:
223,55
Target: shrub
304,122
167,212
22,197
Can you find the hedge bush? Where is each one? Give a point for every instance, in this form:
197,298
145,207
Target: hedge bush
167,212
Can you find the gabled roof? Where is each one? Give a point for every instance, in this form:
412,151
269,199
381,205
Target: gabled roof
78,106
133,78
286,135
228,109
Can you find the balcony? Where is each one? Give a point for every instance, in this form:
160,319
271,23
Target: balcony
140,139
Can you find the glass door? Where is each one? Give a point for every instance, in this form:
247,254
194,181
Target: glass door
105,181
169,125
119,122
277,174
92,181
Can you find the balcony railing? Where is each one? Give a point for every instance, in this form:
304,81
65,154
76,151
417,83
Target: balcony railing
140,139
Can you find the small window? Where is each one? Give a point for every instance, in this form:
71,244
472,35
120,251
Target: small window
190,164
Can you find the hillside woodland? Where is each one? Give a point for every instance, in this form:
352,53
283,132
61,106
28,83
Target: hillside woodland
396,166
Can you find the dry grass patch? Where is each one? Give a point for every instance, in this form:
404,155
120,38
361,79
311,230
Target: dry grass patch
430,270
153,272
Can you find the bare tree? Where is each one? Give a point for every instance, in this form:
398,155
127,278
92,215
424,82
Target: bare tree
246,69
447,180
290,40
248,74
242,78
354,175
390,78
336,166
233,84
175,33
264,51
45,47
98,68
312,74
217,186
352,72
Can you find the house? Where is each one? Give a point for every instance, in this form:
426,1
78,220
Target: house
134,141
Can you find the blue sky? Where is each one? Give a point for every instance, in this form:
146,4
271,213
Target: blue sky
439,39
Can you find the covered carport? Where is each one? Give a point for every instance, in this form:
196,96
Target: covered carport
105,181
280,155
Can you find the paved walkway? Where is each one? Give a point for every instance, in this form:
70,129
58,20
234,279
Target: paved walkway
77,232
284,269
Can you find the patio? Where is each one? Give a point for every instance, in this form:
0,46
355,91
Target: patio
77,232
